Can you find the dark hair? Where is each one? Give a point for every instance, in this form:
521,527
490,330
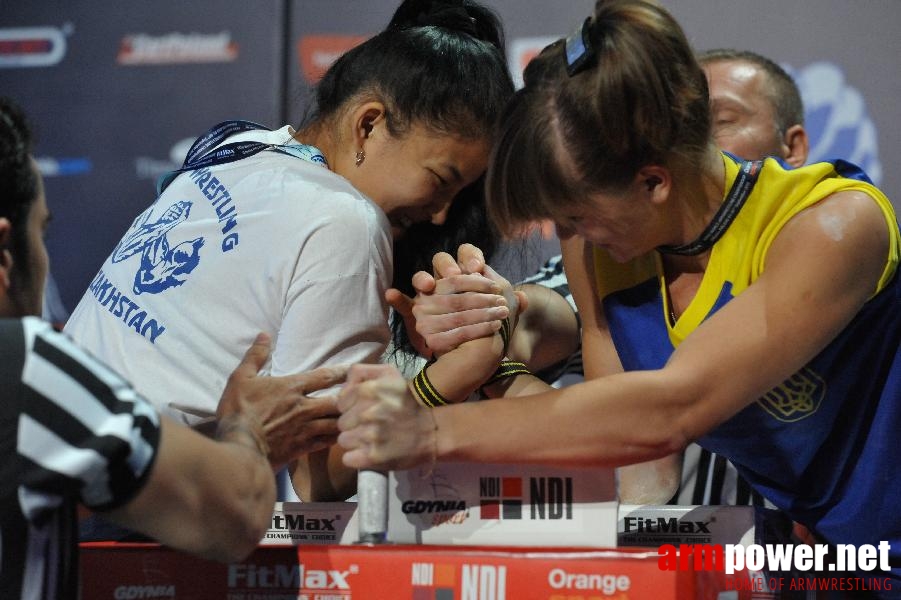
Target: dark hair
466,221
18,180
441,64
438,63
782,90
641,100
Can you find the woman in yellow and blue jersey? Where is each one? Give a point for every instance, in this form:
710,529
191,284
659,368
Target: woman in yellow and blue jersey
753,308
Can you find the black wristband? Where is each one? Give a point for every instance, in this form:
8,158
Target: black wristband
426,392
508,368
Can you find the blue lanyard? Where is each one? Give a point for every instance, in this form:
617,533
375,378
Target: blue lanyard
738,193
204,152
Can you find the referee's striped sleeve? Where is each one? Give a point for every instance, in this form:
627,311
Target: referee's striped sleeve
83,430
552,276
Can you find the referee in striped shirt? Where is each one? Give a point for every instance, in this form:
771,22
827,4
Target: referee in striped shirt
72,432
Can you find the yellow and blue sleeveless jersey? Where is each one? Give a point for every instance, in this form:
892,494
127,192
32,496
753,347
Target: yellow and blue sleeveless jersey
824,445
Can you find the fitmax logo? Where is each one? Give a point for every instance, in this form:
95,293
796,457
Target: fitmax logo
549,497
663,525
302,523
294,577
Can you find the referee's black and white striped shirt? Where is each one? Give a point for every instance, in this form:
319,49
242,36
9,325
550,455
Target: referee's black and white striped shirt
569,370
72,432
707,478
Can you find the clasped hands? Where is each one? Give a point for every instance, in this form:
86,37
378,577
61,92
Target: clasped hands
458,309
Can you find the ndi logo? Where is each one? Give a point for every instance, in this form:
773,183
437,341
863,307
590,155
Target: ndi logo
549,497
483,582
477,581
433,581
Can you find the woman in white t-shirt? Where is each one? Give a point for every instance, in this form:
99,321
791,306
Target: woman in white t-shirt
291,232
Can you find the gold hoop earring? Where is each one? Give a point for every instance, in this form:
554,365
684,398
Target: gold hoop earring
360,157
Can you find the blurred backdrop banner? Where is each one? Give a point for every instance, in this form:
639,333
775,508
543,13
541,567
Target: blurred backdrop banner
118,91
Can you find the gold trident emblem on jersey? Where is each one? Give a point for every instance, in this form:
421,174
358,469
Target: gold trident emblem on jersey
796,398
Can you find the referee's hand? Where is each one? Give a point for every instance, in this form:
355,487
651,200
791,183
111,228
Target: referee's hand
291,422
